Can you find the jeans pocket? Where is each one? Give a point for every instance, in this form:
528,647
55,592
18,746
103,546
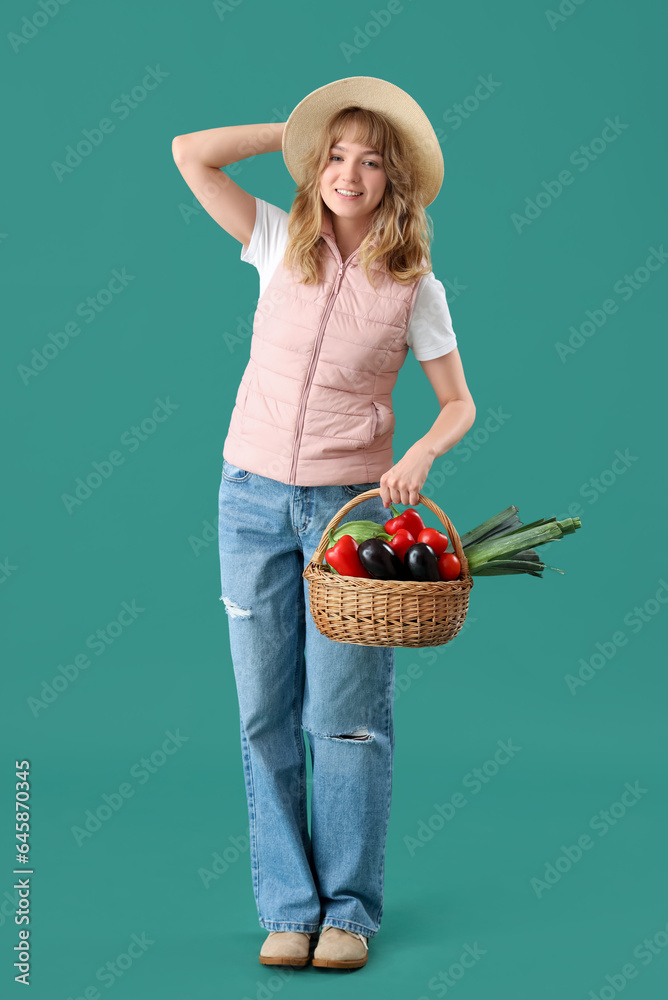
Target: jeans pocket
234,474
355,489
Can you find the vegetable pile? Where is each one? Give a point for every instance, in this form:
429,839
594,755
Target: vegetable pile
405,549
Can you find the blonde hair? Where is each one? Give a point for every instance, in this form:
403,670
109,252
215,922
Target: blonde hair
400,231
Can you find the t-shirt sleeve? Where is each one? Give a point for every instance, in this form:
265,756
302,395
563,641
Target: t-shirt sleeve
268,240
430,333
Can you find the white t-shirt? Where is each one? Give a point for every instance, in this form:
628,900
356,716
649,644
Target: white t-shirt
430,333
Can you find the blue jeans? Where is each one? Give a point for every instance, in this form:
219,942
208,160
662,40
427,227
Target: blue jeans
289,678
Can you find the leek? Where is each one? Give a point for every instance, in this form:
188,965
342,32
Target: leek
503,545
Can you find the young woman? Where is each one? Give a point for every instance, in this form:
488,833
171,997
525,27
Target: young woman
346,289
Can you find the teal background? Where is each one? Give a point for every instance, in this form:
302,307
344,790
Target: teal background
148,533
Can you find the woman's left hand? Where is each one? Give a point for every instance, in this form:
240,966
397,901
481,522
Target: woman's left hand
403,482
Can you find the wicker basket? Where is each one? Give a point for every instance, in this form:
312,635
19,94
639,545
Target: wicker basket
372,612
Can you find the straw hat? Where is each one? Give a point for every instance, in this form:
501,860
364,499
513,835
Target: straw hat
377,95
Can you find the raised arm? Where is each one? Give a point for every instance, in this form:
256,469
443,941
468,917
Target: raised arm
199,157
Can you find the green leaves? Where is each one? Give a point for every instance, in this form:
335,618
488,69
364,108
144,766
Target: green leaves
360,531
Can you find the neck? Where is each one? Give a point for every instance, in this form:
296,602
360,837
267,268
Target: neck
348,233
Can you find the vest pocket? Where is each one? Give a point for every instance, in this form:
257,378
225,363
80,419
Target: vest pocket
242,398
381,421
378,417
242,393
375,418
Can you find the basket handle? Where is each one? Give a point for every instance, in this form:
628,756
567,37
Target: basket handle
450,529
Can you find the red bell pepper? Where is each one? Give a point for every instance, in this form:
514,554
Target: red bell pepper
400,541
343,557
410,520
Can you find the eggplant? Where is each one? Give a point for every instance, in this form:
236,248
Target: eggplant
421,562
380,560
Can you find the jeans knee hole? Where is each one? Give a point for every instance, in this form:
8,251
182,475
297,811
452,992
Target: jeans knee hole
362,734
233,609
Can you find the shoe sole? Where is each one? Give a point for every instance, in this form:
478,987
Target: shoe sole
333,963
283,960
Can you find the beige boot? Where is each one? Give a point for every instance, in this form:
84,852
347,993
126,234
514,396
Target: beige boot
286,948
339,949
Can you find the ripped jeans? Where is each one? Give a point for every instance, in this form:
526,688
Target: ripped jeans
289,678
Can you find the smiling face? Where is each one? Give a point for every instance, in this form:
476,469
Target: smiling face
352,167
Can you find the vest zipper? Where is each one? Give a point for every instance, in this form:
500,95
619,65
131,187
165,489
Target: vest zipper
316,352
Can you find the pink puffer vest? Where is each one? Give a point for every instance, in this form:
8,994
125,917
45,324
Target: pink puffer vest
314,406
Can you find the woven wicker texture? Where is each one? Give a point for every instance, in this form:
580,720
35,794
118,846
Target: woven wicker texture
371,612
